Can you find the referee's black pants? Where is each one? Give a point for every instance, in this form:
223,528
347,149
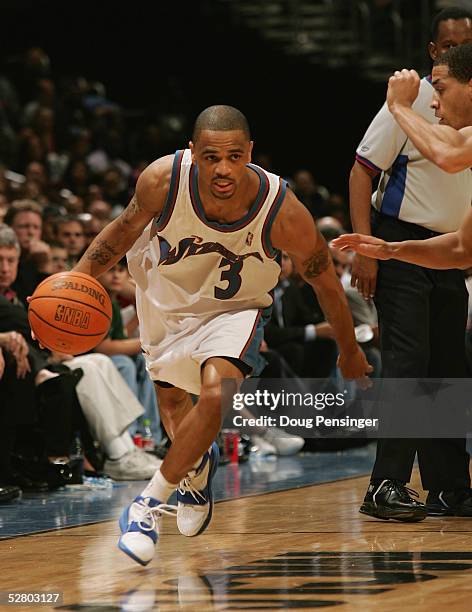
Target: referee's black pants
422,320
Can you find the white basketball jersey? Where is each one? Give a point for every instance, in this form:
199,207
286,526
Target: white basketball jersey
412,188
186,266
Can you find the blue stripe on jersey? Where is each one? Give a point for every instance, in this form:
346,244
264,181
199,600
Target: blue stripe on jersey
269,220
240,223
395,190
165,215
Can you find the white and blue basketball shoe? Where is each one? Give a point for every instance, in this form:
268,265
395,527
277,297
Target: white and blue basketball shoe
140,524
195,495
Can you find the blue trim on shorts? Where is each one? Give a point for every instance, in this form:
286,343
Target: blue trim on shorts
252,355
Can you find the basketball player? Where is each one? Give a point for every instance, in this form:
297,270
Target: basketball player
422,314
449,145
202,234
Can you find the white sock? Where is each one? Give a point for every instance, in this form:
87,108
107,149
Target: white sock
159,488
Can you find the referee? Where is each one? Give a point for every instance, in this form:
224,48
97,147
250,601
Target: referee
422,312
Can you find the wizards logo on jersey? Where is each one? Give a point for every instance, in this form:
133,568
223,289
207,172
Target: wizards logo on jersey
194,245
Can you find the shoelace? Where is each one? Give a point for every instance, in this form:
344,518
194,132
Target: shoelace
151,514
404,490
186,486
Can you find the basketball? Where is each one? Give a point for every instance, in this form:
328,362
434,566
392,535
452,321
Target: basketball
70,312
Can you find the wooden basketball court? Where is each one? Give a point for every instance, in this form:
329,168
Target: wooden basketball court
298,549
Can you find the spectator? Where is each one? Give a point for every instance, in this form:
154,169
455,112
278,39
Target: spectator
108,155
107,403
364,313
100,209
92,227
110,408
94,192
307,345
330,228
77,177
32,393
115,190
24,217
4,204
59,258
339,209
313,196
70,232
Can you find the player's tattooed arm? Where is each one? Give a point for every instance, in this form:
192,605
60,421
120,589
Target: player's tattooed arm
317,263
117,238
294,231
102,252
130,212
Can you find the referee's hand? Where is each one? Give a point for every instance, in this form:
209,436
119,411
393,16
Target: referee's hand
364,275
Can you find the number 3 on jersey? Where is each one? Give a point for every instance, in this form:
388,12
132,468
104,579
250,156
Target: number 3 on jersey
233,278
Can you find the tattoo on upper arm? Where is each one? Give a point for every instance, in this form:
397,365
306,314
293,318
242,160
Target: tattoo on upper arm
317,263
129,212
102,251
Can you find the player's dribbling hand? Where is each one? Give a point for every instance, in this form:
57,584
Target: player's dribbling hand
403,88
354,366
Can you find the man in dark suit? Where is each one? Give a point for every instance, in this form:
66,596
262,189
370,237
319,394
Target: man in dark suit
295,331
30,394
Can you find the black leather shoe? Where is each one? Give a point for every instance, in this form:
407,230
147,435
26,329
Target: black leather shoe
9,493
59,473
393,500
450,503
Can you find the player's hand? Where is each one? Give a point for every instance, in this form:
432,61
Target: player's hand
2,364
364,275
354,366
403,88
369,246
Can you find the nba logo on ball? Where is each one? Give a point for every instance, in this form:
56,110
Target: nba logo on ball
70,312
